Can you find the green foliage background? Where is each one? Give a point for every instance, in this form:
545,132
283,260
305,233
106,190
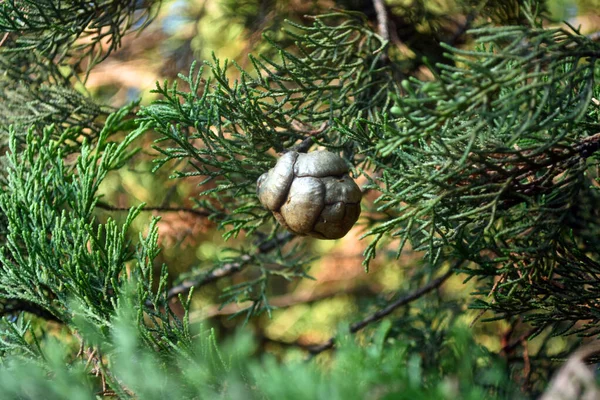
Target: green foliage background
137,262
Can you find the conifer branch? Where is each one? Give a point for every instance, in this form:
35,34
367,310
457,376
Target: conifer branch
68,32
239,123
510,347
489,160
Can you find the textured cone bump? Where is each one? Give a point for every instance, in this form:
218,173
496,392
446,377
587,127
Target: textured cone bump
311,194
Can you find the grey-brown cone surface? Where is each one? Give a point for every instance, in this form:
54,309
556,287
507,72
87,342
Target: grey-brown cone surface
311,194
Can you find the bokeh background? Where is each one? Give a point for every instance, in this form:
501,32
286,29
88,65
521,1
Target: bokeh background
309,310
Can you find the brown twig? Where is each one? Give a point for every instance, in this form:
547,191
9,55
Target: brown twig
527,366
588,145
200,213
4,38
305,144
265,339
575,379
226,269
17,306
382,19
286,300
494,168
218,273
463,28
509,347
387,310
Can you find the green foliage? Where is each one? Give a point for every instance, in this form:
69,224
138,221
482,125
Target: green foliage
385,368
382,367
52,33
490,162
225,130
26,105
45,47
59,262
490,166
56,254
485,163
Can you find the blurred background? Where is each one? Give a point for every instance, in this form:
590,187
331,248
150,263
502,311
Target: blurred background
308,311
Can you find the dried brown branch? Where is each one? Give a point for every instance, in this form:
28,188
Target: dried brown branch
226,269
521,170
287,300
382,19
387,310
4,38
509,347
200,213
18,306
216,274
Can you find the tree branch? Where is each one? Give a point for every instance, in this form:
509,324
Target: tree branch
227,269
17,306
200,213
588,145
306,144
382,19
287,300
218,273
509,347
463,28
4,38
387,310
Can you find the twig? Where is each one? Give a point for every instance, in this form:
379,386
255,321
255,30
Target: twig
17,306
301,127
275,242
303,146
200,213
527,366
226,269
554,164
462,29
588,145
265,339
4,38
509,347
382,19
387,310
284,301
